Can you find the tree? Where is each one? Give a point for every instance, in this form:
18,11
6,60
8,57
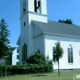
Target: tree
4,41
58,54
41,63
68,21
37,58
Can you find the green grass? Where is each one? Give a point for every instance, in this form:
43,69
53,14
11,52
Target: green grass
50,76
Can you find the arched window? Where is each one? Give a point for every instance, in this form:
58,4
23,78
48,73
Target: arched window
79,56
79,52
54,55
70,54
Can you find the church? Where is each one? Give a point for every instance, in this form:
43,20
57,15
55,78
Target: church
39,33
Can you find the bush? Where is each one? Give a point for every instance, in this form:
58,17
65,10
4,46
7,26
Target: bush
37,63
1,70
42,64
26,69
37,58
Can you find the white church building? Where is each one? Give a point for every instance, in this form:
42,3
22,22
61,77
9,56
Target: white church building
39,33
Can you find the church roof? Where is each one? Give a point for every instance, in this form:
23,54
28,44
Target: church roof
58,28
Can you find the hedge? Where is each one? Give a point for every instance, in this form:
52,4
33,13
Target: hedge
26,69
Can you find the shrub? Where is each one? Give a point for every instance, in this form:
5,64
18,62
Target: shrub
37,63
26,69
37,58
2,69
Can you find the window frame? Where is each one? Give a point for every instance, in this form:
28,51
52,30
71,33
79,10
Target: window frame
70,55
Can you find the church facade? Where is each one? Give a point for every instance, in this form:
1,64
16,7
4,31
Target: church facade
39,33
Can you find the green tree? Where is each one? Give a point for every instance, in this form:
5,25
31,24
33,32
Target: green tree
4,41
68,21
58,54
37,58
42,63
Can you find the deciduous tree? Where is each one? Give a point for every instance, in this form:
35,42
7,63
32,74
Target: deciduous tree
68,21
58,54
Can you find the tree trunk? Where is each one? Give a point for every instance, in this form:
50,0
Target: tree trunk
58,68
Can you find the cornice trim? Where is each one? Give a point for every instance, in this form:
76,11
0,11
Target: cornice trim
44,15
62,35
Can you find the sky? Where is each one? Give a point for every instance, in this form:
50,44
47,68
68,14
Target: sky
56,9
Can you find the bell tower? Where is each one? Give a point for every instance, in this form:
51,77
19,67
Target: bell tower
30,10
34,7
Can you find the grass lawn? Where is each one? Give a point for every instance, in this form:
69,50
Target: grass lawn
50,76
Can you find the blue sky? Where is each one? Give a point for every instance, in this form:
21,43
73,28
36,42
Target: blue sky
57,9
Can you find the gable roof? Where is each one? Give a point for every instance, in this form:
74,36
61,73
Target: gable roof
58,28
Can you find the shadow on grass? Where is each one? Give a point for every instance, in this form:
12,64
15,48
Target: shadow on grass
39,75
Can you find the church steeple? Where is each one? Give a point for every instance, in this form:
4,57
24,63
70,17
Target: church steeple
30,10
36,7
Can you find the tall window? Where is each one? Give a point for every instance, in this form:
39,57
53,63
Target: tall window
54,55
79,56
37,6
70,54
24,7
24,53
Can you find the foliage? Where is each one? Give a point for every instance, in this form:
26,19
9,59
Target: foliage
36,64
44,64
37,58
58,54
4,41
26,69
58,51
68,21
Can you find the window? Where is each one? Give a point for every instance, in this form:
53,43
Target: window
79,56
17,63
79,52
54,55
24,52
70,54
17,51
24,7
37,6
24,23
17,56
